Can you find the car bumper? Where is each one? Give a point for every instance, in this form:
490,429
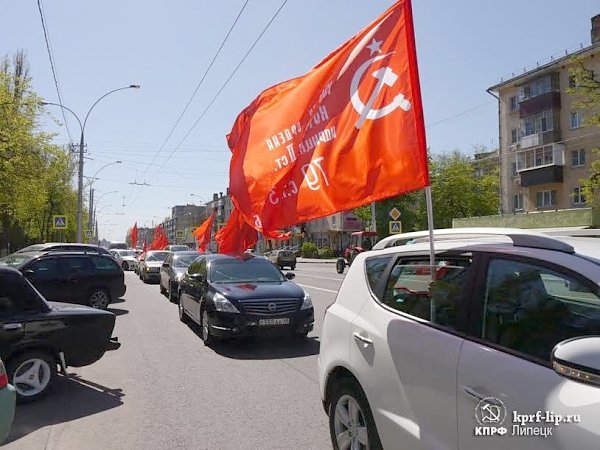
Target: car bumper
239,325
7,410
152,275
113,344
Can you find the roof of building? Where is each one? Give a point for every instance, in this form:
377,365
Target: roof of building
520,79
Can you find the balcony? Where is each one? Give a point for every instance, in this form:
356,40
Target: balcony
533,105
545,138
541,165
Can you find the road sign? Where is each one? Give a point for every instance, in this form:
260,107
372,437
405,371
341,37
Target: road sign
179,234
395,226
59,222
394,213
89,233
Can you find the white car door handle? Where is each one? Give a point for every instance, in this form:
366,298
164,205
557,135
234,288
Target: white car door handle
12,326
479,396
361,338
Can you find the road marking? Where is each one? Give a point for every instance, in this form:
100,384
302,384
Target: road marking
317,276
317,288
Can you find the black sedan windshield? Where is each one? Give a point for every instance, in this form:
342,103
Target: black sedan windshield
184,261
15,260
244,271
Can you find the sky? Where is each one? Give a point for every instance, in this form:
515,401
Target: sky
463,47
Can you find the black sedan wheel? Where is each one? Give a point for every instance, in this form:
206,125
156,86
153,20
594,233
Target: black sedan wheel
99,299
207,337
340,265
182,315
163,291
125,265
172,295
32,374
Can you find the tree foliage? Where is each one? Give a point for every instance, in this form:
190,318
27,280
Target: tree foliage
585,88
35,175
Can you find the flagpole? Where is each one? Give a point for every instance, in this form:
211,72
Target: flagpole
429,203
373,218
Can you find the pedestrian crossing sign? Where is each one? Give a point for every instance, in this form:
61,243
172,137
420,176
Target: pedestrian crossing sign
89,233
395,226
59,222
179,234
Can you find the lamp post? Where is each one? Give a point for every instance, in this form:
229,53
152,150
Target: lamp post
90,218
81,146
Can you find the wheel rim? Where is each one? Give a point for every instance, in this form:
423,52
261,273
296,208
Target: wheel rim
99,299
31,377
350,425
180,307
205,325
125,266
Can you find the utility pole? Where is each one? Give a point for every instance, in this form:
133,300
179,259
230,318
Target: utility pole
91,210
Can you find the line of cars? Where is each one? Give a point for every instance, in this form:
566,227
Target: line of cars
231,296
53,301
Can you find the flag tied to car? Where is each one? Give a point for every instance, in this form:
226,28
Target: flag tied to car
202,233
134,236
236,236
160,239
347,133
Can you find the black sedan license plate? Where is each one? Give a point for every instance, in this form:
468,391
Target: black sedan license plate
277,321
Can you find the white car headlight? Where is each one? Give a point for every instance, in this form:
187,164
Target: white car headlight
307,302
223,305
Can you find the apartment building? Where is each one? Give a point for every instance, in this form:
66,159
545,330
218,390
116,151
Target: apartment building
544,148
184,218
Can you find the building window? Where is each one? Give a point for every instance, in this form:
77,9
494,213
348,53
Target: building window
514,105
576,119
514,135
537,123
514,168
578,157
518,202
578,197
544,199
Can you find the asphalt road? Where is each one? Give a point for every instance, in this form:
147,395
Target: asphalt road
163,389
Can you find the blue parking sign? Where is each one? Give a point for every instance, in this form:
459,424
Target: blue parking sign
59,222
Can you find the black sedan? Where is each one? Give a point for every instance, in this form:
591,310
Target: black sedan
172,271
232,296
36,336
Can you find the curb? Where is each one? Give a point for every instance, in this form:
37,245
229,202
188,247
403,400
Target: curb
316,261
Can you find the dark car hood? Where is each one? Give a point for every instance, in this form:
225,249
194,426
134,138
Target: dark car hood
285,289
72,308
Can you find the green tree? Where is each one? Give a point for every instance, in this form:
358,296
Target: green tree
35,175
456,191
585,88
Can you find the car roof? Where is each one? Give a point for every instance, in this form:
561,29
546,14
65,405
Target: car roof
225,257
9,271
186,253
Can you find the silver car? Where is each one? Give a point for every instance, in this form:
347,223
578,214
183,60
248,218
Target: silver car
149,268
125,258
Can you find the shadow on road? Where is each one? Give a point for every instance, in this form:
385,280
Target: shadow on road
262,348
70,399
118,311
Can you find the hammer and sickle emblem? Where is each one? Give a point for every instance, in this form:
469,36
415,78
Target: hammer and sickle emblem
385,77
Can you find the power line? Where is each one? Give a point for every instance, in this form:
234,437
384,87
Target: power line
462,113
224,84
198,86
49,49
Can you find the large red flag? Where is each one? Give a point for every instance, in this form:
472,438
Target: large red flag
134,236
160,239
236,236
347,133
202,233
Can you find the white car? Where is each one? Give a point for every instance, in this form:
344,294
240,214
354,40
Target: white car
127,259
491,348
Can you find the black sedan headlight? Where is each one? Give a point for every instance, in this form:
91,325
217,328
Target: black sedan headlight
306,302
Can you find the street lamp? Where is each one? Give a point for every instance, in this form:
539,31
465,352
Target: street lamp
81,145
90,218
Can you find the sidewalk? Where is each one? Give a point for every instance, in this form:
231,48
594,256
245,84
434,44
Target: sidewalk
316,260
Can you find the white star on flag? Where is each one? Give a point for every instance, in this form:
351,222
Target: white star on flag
374,46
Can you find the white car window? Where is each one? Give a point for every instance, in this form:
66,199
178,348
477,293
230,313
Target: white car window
530,308
410,289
